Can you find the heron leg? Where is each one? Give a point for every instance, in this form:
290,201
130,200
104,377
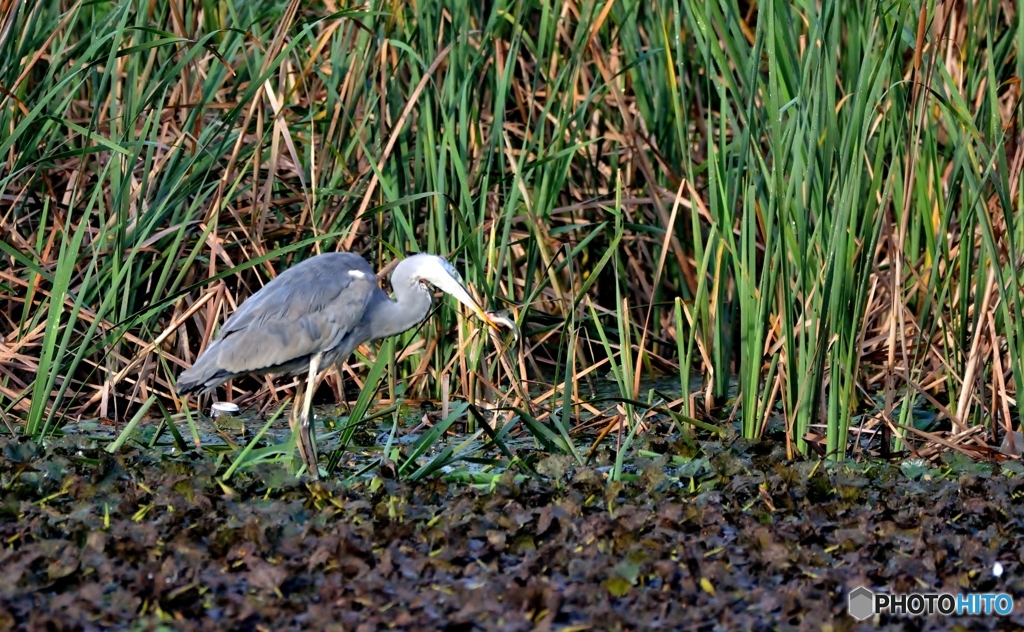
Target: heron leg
306,448
341,387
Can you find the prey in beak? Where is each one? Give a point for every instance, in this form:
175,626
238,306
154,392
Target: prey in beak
452,284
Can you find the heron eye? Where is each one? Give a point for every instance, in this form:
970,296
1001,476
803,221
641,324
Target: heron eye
450,269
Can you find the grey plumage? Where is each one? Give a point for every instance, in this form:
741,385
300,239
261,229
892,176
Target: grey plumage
309,308
314,315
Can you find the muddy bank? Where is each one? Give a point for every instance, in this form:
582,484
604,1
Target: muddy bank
91,541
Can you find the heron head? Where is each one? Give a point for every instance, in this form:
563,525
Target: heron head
438,272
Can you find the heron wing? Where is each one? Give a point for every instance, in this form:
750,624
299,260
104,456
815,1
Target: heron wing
308,309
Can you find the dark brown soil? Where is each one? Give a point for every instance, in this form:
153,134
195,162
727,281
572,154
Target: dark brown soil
141,541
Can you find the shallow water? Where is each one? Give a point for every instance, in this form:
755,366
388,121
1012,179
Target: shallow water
230,433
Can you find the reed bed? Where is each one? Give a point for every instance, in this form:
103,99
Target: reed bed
814,207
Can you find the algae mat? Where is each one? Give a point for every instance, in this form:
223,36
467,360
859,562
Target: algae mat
143,541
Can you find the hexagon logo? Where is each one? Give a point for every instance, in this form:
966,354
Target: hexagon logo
861,604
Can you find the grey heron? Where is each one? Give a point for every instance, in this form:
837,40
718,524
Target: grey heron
315,314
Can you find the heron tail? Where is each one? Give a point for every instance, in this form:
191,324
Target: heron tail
205,374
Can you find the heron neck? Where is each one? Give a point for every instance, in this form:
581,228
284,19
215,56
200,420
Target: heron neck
409,305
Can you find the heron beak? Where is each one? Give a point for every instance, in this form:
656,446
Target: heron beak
452,286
